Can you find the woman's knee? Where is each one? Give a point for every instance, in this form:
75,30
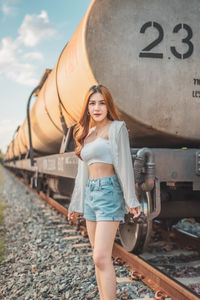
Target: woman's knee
100,259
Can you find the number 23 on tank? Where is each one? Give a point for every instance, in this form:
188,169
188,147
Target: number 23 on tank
146,52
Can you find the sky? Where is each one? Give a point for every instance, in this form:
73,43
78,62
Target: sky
32,36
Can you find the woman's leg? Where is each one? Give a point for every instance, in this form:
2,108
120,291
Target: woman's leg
91,228
104,238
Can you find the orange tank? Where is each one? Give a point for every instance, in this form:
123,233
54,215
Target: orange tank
147,54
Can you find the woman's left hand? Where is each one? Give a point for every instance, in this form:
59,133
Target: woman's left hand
136,211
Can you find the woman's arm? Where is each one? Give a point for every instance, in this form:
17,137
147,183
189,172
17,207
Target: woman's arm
77,198
126,172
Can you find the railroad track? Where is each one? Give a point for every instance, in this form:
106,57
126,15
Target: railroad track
143,268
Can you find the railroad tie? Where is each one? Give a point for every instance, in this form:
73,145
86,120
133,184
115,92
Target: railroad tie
72,237
81,245
123,280
68,230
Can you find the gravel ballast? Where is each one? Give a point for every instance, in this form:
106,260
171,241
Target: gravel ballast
41,262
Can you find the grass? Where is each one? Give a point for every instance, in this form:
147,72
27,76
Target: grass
2,206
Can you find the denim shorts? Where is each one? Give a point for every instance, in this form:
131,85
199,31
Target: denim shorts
104,200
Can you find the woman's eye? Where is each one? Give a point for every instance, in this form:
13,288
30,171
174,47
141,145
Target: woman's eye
92,103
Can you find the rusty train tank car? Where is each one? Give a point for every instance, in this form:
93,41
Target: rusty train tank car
147,54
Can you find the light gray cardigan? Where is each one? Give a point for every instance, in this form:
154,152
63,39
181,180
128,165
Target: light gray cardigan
122,162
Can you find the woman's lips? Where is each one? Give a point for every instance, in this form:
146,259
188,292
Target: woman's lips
97,115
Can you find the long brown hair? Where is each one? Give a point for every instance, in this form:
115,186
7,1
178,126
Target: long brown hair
85,122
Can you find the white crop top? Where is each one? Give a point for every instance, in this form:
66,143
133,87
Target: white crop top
98,150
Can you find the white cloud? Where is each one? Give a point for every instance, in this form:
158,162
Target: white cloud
8,10
23,74
7,51
34,56
15,62
35,28
5,9
12,67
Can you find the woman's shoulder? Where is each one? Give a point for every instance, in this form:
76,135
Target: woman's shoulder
115,129
118,124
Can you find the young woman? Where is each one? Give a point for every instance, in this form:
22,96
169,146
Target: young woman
104,186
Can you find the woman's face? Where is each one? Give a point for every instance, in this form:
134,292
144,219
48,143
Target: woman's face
97,107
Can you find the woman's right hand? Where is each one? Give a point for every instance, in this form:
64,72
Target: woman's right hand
72,215
136,211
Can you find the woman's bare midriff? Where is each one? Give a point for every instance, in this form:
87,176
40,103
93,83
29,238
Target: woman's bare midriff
97,170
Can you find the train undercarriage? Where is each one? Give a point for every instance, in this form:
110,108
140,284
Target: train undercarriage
167,179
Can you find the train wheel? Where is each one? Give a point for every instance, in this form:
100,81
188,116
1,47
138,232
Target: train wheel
135,237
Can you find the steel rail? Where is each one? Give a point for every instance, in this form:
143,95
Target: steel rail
60,208
153,277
